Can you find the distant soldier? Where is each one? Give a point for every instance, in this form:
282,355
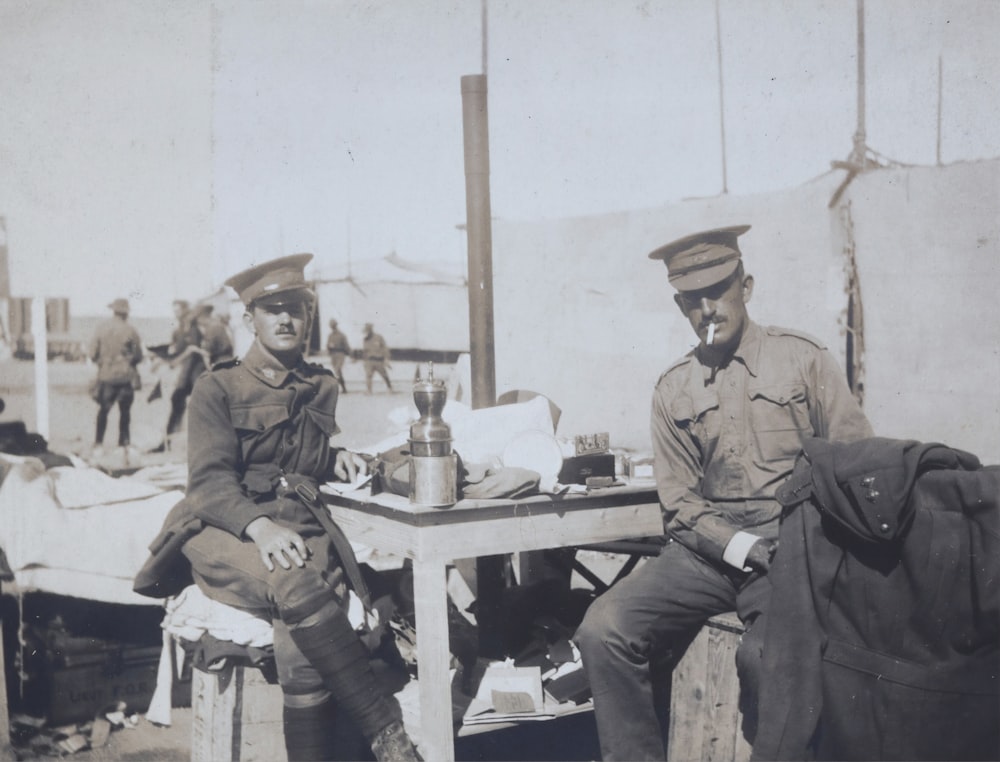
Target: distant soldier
117,350
188,363
375,354
216,343
339,348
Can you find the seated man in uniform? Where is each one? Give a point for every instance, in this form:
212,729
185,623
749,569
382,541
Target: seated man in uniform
728,421
250,528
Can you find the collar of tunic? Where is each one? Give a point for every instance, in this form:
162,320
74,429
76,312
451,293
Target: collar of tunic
266,367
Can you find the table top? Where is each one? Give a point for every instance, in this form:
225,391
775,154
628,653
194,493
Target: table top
399,508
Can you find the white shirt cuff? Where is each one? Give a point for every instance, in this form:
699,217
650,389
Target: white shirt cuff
736,550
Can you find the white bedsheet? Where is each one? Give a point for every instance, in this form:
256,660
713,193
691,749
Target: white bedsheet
77,531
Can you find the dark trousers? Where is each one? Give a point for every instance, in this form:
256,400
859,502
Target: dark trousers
108,394
178,403
313,651
337,363
372,367
658,608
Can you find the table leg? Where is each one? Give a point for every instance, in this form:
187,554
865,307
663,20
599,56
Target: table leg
430,599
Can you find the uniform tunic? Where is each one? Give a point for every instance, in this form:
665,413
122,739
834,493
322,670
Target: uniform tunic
725,438
117,349
251,422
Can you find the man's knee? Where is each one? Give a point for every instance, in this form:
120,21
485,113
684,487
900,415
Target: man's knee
602,625
301,594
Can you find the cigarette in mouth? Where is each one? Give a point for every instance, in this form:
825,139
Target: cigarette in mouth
711,334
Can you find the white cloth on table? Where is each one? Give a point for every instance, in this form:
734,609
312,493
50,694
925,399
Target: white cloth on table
479,436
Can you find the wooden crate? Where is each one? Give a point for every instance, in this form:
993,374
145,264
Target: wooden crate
236,716
705,718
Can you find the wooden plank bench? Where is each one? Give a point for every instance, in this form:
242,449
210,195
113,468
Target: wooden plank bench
705,719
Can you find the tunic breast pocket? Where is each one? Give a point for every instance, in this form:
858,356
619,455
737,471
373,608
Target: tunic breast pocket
256,423
699,415
779,420
326,422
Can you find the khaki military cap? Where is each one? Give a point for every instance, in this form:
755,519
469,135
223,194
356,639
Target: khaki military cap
277,276
701,259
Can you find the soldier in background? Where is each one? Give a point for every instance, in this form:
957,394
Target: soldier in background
216,344
117,350
339,348
375,354
189,366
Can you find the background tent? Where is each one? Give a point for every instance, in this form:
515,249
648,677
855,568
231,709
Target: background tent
414,305
585,318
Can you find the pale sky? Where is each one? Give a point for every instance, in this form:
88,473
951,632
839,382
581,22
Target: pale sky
150,149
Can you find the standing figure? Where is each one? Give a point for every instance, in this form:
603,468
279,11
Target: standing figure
728,422
117,350
187,363
339,348
375,354
216,343
250,530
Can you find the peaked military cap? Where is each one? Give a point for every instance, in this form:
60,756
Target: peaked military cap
701,259
276,276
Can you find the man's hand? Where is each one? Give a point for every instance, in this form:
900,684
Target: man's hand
349,465
271,539
760,554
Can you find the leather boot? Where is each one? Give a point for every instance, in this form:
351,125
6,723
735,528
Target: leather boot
392,744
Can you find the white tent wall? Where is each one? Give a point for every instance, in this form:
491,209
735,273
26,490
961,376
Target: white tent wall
928,250
584,317
411,315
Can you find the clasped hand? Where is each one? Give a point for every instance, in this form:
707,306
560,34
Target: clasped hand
760,554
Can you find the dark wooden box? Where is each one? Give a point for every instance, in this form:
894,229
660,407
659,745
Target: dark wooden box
74,687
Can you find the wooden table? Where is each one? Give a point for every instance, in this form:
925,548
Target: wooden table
432,537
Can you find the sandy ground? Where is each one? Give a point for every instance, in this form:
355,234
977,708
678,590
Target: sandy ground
364,419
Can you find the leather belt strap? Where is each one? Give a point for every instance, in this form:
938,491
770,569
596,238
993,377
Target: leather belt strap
310,498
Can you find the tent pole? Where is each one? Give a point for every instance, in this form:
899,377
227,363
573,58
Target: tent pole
490,570
41,344
480,248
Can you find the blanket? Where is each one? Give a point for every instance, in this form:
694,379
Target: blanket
76,531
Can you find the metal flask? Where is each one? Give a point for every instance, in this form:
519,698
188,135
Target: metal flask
433,465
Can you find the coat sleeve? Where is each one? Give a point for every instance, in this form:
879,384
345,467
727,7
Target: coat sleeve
215,492
835,413
687,516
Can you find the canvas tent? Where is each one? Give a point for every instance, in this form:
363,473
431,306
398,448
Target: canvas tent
414,305
585,318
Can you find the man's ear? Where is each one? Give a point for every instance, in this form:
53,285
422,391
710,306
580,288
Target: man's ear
747,288
679,301
248,322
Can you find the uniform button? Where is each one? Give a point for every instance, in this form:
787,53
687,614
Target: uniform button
884,527
260,427
291,441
